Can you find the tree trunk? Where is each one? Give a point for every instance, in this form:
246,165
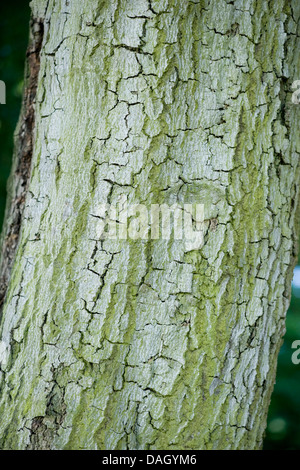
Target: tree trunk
148,344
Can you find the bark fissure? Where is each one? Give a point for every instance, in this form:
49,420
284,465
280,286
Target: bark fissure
24,145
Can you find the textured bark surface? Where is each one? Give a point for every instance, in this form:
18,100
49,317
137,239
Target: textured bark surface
120,344
24,136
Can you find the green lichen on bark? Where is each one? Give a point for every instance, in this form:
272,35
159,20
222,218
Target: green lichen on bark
118,344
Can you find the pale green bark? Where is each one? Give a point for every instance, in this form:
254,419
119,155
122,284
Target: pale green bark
143,344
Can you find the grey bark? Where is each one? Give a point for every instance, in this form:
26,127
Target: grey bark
122,344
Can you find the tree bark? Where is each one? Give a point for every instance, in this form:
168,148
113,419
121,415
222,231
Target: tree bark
143,344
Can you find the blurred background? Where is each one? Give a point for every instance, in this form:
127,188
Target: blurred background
283,431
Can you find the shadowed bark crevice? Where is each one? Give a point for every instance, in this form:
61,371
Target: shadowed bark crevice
24,143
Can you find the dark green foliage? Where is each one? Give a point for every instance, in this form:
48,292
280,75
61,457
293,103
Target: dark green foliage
14,26
283,430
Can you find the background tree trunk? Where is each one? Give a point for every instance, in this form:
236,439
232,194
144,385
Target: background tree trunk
120,344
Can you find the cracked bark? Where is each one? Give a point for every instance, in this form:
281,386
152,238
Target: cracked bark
18,184
142,344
